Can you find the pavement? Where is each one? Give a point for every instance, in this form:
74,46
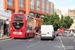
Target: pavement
59,43
4,37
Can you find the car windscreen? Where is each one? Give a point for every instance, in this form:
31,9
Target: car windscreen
17,25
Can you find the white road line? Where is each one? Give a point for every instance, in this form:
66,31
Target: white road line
30,40
62,43
38,42
60,40
31,45
73,40
49,41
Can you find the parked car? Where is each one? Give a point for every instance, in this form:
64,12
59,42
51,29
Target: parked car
60,34
67,34
74,35
67,31
72,32
47,32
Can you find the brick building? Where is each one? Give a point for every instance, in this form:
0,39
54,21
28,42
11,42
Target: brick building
30,7
71,13
58,12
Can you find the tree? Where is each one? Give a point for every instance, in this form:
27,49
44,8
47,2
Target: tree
46,20
57,22
68,22
62,22
52,20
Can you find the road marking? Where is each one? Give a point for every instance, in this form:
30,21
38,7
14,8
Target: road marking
31,45
49,41
60,40
6,39
38,42
74,40
62,43
30,40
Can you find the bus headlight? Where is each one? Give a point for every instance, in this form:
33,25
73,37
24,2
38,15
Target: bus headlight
20,33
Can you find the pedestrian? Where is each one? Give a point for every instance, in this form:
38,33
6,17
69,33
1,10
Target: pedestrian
5,31
1,33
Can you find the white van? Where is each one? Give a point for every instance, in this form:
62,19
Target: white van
47,32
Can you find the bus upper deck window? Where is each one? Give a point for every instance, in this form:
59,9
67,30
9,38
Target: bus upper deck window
18,17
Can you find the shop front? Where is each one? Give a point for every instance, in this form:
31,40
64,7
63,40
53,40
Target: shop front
3,18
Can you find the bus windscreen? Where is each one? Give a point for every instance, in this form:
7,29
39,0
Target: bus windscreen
17,25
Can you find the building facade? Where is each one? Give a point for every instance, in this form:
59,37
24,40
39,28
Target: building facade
58,12
30,7
71,13
3,16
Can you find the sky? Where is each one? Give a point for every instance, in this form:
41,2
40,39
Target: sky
64,5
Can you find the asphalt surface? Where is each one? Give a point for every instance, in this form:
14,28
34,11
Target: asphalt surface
59,43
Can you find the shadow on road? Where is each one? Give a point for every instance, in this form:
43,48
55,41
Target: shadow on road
47,40
22,38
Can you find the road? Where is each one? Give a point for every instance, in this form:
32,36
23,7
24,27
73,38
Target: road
59,43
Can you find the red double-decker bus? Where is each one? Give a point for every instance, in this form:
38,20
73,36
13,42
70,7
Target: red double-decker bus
22,26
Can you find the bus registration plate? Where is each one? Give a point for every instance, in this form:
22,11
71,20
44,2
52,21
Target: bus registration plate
16,33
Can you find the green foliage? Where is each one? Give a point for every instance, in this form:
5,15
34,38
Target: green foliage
68,22
52,20
62,24
57,22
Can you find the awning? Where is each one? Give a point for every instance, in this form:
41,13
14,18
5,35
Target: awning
3,18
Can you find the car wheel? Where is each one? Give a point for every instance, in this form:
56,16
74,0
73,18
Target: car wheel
41,39
52,39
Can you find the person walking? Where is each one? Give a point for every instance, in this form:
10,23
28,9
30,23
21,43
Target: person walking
1,33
